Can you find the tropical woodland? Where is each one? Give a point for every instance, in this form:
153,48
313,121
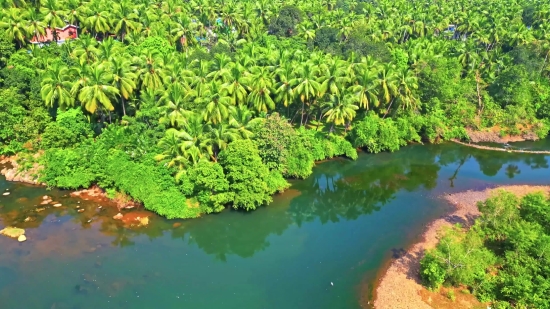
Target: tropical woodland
190,107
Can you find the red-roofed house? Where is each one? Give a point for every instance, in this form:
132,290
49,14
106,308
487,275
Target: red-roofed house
63,34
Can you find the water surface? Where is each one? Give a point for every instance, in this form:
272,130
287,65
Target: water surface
338,226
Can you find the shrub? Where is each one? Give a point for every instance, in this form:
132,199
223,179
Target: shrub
249,178
69,129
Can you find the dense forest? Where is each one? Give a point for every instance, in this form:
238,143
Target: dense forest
193,106
504,258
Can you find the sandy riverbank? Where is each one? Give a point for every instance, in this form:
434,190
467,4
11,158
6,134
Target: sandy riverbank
400,287
493,136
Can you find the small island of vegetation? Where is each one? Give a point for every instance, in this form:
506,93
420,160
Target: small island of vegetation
503,259
192,106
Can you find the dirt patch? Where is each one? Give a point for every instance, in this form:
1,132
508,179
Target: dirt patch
136,218
400,285
493,136
451,298
96,194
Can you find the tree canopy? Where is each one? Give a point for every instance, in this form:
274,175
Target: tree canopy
177,88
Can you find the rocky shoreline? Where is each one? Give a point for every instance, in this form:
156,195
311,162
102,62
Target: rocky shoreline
399,287
10,168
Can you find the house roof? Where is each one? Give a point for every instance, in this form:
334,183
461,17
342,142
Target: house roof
67,32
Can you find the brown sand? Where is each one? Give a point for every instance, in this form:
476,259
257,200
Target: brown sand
493,136
400,286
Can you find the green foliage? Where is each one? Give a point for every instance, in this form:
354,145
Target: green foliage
249,178
285,23
69,129
281,148
155,44
376,134
431,271
327,39
237,62
13,116
459,258
361,46
451,295
7,48
528,15
210,186
504,258
440,78
67,168
512,87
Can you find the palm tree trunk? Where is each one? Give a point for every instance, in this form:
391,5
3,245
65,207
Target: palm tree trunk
296,113
302,115
388,110
319,120
307,117
331,128
480,103
123,107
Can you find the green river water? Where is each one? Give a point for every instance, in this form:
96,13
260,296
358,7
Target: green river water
339,226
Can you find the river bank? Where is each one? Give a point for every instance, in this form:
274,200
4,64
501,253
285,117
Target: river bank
500,149
494,135
399,286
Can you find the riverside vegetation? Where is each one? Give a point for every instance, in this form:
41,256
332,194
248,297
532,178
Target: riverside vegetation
189,107
503,258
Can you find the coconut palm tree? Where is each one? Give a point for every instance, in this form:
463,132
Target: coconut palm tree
387,83
260,89
86,50
152,72
14,26
366,88
124,79
407,82
333,77
173,149
340,109
242,119
175,103
35,26
284,92
53,16
98,91
235,83
219,136
98,19
217,105
307,87
55,87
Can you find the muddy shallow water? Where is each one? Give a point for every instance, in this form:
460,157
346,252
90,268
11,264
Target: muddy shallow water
338,226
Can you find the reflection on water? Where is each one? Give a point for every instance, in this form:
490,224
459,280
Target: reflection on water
339,224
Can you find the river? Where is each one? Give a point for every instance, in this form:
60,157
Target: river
319,245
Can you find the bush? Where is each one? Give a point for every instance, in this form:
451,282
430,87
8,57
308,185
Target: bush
376,134
249,178
67,168
210,187
69,129
431,271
